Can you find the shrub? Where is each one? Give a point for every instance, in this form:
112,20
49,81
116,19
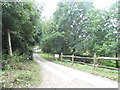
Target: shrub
8,64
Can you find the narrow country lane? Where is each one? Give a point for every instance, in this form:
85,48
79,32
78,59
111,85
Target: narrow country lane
59,76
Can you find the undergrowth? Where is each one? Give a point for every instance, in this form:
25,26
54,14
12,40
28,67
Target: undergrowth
22,73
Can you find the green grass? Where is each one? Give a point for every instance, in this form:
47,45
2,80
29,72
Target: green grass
26,75
111,74
47,56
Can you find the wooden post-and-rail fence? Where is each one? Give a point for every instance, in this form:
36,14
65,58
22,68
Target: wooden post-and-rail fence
95,62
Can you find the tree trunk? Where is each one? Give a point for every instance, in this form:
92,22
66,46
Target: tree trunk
74,50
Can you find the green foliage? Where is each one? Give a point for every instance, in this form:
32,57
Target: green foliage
79,28
16,59
47,56
25,76
21,18
52,39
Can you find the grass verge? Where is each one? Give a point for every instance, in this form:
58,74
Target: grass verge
111,74
26,75
47,56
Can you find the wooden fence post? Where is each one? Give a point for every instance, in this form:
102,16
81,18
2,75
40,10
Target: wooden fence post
94,61
72,58
61,56
9,46
9,43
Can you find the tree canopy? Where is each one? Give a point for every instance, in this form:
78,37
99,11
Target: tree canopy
80,28
22,19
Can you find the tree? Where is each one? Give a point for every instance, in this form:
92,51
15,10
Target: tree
22,18
52,40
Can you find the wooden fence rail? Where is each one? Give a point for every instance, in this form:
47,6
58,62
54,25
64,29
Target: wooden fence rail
108,58
95,58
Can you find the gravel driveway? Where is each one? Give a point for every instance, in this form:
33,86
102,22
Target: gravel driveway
59,76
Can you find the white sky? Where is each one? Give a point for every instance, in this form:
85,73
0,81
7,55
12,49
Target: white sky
102,4
51,5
